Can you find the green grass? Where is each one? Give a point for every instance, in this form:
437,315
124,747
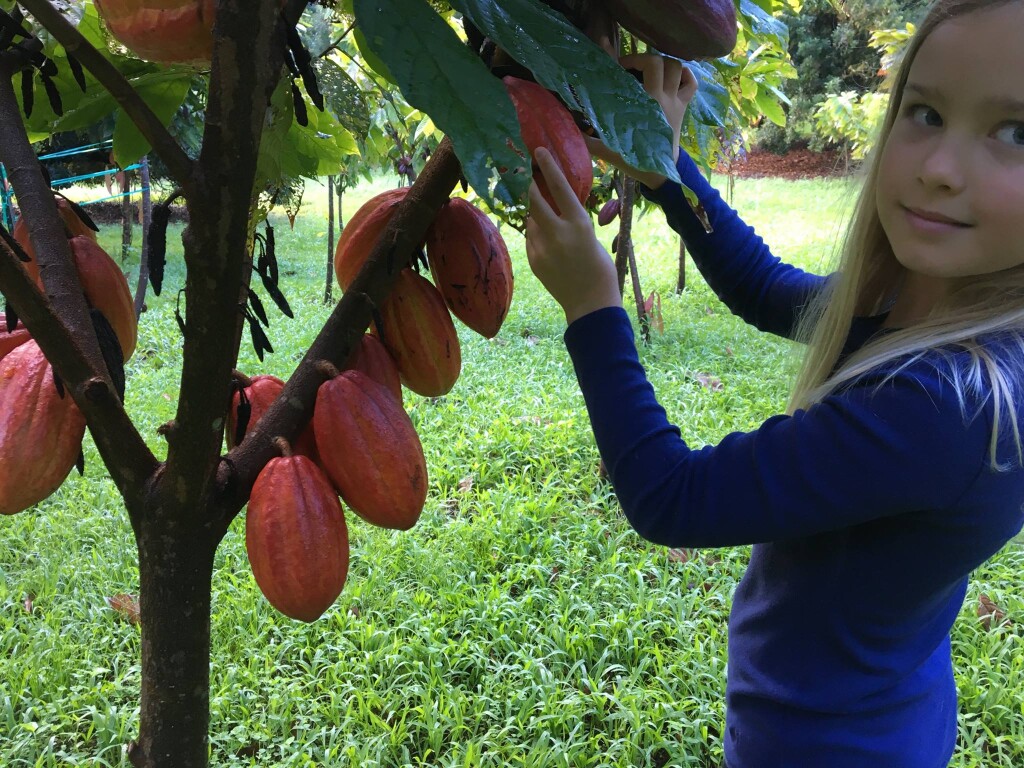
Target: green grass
521,623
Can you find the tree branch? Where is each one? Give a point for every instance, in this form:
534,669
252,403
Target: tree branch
343,329
149,124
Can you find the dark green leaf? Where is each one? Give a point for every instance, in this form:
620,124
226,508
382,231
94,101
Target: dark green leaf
763,24
110,348
27,92
257,307
343,97
439,75
588,80
10,318
710,104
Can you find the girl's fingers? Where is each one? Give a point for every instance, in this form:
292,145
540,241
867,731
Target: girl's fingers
540,210
558,185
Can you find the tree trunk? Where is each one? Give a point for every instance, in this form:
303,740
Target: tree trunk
126,217
681,280
621,258
625,255
329,282
147,219
175,575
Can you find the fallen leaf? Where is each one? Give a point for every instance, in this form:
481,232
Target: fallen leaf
602,470
29,602
127,606
708,381
466,484
989,612
729,352
679,555
499,341
709,311
532,341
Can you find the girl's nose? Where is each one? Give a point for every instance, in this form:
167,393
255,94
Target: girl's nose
942,165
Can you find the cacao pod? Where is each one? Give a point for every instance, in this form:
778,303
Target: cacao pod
372,358
609,211
296,538
362,232
9,340
471,266
73,227
106,289
420,335
686,29
261,392
40,432
370,450
165,31
545,122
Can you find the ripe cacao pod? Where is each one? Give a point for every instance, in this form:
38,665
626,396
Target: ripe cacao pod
106,289
372,358
545,122
370,450
296,538
10,340
362,232
420,335
687,29
471,266
261,392
73,227
165,31
609,211
40,432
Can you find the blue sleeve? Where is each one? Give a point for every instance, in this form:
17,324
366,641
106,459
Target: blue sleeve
733,259
869,452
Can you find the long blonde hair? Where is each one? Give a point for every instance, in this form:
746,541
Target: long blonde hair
984,307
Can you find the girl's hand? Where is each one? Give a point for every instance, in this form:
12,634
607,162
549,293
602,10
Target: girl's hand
673,86
563,250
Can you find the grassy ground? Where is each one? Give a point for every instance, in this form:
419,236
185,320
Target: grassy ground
521,623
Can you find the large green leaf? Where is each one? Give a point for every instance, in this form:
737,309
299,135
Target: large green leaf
710,105
763,24
342,97
566,61
439,75
163,97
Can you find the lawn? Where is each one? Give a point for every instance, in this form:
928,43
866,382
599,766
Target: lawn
521,622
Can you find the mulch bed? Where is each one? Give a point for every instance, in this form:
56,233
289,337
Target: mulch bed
795,164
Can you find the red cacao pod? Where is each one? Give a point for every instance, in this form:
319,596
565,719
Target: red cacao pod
370,450
73,227
296,538
362,232
545,122
165,31
40,432
372,358
420,335
471,266
106,289
261,392
10,340
687,29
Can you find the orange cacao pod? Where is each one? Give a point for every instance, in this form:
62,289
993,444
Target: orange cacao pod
165,31
372,358
40,432
545,122
420,335
73,227
9,340
261,392
471,266
370,450
362,232
296,538
106,289
687,29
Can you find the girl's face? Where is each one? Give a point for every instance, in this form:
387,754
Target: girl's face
950,193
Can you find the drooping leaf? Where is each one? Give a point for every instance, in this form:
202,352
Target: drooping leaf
163,98
439,75
343,97
564,60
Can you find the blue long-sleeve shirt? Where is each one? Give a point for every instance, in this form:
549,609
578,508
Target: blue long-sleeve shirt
867,512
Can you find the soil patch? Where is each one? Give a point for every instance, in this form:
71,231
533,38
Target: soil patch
800,163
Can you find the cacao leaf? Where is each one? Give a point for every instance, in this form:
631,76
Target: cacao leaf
278,298
260,342
564,60
439,75
343,98
300,106
76,70
11,24
58,384
52,94
271,256
80,463
177,312
243,414
303,67
27,92
10,318
80,213
110,348
257,307
14,245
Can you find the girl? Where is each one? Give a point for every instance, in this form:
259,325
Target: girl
897,469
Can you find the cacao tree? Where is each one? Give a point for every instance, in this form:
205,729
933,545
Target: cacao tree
272,114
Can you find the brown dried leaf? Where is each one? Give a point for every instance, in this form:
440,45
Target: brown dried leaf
708,381
466,484
29,602
679,555
989,613
126,605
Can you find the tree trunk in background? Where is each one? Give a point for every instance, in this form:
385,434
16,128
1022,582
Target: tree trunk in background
625,256
147,219
126,217
621,259
681,280
329,282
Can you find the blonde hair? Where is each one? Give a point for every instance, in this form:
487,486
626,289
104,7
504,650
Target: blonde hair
986,307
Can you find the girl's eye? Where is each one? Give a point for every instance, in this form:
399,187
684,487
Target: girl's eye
922,114
1012,133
